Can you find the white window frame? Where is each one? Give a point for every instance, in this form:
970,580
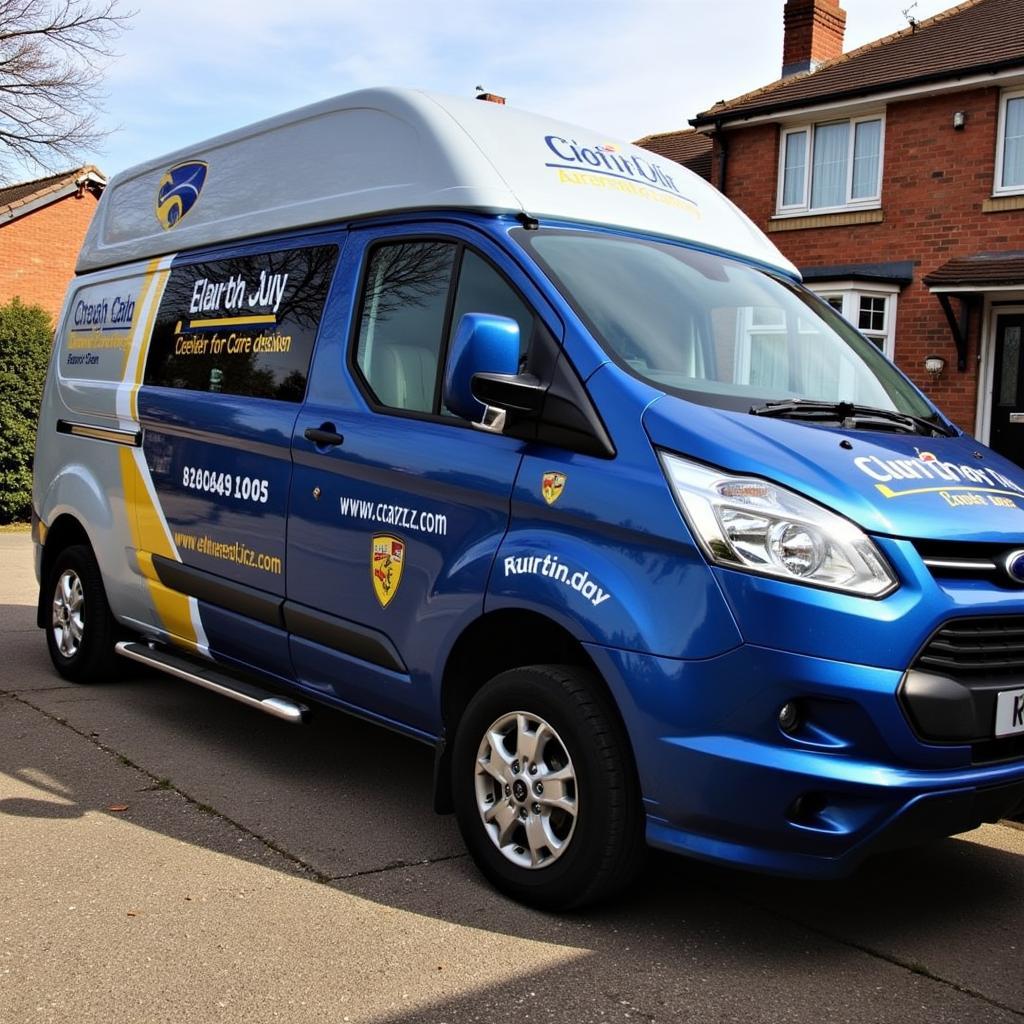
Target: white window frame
851,293
804,208
745,329
805,198
998,188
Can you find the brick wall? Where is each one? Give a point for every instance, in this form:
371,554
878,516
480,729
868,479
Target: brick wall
935,180
38,251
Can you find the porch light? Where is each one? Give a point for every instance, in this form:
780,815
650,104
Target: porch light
934,365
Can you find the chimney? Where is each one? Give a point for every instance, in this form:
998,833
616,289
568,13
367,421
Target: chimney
490,97
814,33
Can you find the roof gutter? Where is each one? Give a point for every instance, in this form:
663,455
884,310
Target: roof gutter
986,75
977,286
16,210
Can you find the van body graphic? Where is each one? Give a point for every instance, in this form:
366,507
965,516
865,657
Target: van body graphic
525,443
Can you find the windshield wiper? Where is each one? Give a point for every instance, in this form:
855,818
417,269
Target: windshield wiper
852,417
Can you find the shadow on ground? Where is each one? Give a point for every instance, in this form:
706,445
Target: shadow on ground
348,804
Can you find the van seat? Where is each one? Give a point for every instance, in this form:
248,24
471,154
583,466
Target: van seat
403,376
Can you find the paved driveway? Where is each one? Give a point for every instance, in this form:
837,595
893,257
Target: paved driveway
263,872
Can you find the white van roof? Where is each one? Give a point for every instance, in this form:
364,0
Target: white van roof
385,150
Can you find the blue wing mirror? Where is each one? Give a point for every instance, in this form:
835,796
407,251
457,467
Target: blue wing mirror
485,348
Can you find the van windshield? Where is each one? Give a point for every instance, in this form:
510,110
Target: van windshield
715,330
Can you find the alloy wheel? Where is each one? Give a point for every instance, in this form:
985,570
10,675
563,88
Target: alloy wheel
526,790
68,601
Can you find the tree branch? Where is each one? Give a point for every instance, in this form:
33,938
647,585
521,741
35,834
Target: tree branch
50,84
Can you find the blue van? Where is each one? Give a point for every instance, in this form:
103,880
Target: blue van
529,445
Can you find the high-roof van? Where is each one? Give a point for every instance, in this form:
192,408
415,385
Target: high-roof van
527,444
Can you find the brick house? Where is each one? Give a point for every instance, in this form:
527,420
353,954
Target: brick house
893,176
42,225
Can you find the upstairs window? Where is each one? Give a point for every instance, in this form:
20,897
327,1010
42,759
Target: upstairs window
1010,150
831,166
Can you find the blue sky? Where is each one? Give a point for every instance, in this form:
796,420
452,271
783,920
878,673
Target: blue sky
195,68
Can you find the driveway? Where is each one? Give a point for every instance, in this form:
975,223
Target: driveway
169,855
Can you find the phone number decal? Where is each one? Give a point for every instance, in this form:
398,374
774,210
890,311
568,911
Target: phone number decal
227,485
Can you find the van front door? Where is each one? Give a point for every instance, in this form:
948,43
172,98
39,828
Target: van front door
397,508
1007,425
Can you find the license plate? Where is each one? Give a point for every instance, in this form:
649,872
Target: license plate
1010,712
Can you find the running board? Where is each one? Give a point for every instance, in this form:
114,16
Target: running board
210,679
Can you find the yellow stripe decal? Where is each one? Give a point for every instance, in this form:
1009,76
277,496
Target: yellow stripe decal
149,537
150,534
234,321
159,281
135,355
129,350
888,492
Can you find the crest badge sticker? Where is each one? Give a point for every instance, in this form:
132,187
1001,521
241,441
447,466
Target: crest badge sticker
178,191
386,564
551,486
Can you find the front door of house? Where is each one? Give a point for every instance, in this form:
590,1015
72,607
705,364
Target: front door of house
1007,431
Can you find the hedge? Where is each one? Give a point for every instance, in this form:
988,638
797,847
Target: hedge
25,337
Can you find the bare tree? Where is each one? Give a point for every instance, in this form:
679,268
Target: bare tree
52,58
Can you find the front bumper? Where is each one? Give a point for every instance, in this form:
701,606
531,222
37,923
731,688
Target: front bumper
723,782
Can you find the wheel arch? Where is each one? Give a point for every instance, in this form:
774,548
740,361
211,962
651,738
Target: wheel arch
494,643
65,531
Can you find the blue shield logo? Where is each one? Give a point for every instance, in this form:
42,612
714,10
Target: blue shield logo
178,191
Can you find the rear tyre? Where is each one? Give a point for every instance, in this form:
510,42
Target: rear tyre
80,631
545,789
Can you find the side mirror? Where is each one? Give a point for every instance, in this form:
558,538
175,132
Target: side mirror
521,394
482,344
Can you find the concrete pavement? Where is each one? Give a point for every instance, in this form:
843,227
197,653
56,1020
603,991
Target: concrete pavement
263,872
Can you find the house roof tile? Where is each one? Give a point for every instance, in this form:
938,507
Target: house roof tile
25,192
688,147
983,268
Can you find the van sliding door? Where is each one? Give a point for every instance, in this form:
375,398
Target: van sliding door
224,378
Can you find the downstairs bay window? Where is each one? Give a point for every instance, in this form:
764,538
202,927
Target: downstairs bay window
870,308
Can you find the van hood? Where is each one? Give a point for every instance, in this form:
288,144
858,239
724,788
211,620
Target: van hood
898,485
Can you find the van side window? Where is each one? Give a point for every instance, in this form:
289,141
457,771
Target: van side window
483,290
405,300
242,326
408,319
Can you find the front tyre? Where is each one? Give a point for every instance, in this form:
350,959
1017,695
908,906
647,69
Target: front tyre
545,790
80,631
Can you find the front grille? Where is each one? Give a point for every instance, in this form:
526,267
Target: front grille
968,647
979,658
966,560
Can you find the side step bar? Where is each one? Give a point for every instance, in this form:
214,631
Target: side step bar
210,678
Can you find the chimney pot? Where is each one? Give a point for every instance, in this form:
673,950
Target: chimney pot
814,32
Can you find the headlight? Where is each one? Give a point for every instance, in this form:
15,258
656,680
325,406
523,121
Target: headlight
753,524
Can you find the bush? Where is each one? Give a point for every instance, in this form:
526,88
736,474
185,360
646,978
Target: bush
25,338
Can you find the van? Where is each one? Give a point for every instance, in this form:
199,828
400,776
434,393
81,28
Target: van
529,445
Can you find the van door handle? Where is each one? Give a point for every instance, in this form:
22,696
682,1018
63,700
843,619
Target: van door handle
324,436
